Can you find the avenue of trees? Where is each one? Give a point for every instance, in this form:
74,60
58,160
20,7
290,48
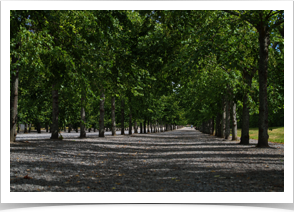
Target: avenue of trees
121,69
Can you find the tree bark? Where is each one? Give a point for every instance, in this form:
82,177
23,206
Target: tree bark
14,99
234,121
38,126
223,122
212,126
264,41
55,113
113,128
130,122
13,104
217,123
135,127
227,133
122,117
101,120
144,125
83,119
150,127
245,113
141,128
26,128
69,128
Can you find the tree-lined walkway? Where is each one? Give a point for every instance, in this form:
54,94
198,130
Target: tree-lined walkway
184,160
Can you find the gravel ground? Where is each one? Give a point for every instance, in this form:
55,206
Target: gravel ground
184,160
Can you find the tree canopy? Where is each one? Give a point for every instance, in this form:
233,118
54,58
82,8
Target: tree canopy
175,67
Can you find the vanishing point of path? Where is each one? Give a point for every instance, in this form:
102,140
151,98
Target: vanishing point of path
183,160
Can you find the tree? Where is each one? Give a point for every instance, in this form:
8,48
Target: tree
264,22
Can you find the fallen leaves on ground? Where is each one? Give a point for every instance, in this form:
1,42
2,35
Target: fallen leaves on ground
27,177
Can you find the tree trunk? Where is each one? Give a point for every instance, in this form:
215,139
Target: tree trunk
227,133
212,126
55,113
234,121
101,120
141,128
30,125
13,104
144,125
159,126
69,128
245,114
83,119
223,122
14,100
130,122
151,127
219,125
122,117
113,124
26,128
217,122
148,126
38,125
264,41
135,127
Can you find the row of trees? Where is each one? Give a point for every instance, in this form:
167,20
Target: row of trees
166,67
70,61
239,72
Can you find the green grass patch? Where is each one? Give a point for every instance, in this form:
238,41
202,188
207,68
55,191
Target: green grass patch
276,134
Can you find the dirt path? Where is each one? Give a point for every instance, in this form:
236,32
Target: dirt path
182,160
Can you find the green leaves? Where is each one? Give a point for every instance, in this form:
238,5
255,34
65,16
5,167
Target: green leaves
171,64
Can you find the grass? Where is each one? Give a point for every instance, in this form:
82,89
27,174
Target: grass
276,134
